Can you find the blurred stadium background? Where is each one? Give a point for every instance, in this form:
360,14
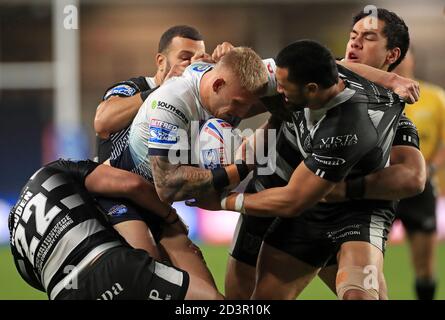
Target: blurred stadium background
51,80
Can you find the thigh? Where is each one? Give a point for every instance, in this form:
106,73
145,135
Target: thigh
240,279
280,275
184,254
248,236
139,236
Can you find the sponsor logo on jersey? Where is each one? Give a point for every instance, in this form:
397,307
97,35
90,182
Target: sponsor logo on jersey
118,210
329,161
213,158
345,140
168,107
163,132
154,104
120,90
200,67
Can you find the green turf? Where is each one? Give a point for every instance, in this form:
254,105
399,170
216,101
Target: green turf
398,273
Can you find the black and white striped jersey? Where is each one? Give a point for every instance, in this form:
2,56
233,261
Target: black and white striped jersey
55,228
112,147
351,136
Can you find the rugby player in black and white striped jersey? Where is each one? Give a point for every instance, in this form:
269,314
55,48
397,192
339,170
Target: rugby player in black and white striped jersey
121,102
63,245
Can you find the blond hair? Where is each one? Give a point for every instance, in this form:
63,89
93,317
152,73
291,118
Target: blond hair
248,67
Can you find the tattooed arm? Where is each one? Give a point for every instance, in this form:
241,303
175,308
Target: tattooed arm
176,182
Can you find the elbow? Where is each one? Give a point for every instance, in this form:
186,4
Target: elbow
100,123
415,186
134,185
291,210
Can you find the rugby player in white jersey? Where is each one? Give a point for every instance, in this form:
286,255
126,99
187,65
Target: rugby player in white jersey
164,125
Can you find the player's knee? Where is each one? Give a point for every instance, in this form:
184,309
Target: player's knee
357,283
354,294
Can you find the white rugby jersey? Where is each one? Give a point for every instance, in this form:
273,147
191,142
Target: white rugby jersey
164,121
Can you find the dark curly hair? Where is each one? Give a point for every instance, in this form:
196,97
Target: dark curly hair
395,31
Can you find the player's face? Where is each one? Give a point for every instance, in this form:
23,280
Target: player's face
181,50
367,45
291,91
232,101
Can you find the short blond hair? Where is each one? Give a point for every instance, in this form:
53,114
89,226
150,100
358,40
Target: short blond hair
247,65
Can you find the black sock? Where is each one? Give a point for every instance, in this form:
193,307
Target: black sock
426,288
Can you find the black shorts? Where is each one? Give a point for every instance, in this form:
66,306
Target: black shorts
318,242
248,237
118,210
124,273
418,213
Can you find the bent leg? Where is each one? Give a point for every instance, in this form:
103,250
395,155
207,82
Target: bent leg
280,275
137,234
241,265
329,275
360,271
240,280
184,254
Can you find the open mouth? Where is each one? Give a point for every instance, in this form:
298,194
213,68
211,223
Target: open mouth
352,56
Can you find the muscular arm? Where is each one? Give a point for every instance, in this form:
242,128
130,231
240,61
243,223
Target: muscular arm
113,182
176,182
406,88
404,178
303,191
115,114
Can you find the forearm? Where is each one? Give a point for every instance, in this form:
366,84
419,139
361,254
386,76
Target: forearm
392,183
112,182
383,78
271,202
115,114
179,182
302,192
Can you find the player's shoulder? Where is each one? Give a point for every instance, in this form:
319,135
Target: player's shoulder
127,88
197,68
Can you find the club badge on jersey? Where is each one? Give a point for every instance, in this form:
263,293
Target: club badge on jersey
217,144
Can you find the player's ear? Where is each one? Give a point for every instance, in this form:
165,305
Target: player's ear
218,84
311,89
161,62
393,55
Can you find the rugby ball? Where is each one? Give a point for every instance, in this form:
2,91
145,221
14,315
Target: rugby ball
217,144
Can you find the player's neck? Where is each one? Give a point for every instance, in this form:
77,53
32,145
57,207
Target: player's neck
327,95
203,92
158,79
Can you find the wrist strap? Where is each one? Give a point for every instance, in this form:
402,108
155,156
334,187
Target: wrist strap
224,200
239,203
355,188
243,170
220,178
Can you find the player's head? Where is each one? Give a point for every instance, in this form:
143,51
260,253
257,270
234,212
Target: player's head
177,44
237,81
305,69
380,44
